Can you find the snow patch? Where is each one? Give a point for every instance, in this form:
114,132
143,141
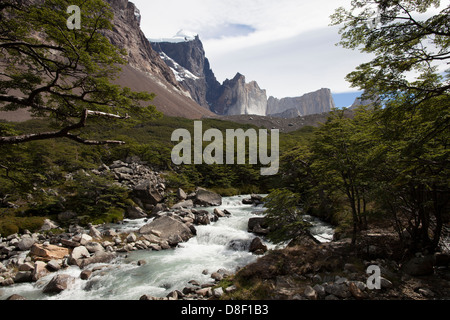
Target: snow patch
181,36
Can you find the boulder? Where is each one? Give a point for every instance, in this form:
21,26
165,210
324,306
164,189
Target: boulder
85,238
25,243
99,257
94,247
94,233
59,283
48,252
257,246
207,198
134,212
78,254
54,265
23,276
183,204
15,297
181,194
419,266
148,193
167,227
39,271
48,225
310,293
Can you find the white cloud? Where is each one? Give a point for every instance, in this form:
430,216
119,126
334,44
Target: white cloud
285,45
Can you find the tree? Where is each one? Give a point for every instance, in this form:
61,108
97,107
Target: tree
412,49
410,54
61,74
341,149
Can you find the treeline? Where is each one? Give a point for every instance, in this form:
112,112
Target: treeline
379,162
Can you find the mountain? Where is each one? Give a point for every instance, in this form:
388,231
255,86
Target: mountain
236,97
310,103
145,70
185,55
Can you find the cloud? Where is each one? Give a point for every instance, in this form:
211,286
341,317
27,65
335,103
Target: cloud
285,45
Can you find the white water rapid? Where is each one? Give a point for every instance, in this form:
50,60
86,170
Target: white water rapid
168,270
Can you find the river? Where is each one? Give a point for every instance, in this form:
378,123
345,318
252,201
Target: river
165,271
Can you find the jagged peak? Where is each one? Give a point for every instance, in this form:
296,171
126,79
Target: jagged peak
180,36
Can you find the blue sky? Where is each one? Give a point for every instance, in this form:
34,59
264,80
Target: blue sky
287,46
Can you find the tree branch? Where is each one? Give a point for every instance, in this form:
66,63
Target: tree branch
65,132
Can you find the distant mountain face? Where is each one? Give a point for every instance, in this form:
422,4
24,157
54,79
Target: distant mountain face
311,103
185,55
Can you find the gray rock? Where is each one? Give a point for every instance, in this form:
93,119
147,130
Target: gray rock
23,276
136,213
59,283
257,246
54,265
99,257
207,198
94,247
183,204
181,194
218,292
167,227
310,293
131,238
26,243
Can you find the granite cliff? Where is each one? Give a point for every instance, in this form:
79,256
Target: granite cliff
185,55
310,103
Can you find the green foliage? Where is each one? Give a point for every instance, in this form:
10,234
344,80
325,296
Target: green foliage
283,215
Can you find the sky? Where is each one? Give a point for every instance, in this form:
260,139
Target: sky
287,46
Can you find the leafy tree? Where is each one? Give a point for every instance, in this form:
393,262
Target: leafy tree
284,215
405,44
411,49
60,74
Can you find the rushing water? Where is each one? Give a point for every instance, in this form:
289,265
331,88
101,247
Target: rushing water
167,270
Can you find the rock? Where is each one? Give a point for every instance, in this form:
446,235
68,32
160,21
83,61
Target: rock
54,265
320,290
85,274
48,252
23,276
217,276
426,292
48,225
141,263
356,292
147,192
338,290
205,292
167,227
110,233
135,213
185,204
27,266
59,283
207,198
70,243
85,238
39,271
94,247
419,266
217,292
257,246
256,222
219,213
310,293
94,233
25,243
131,238
66,216
181,195
99,257
230,289
79,253
15,297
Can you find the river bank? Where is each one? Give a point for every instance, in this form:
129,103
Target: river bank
135,259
